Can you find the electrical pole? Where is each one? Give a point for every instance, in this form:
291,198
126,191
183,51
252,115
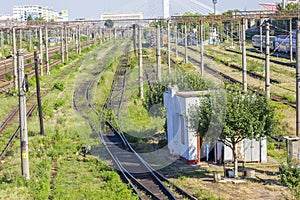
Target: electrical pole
41,51
176,40
215,2
260,35
14,54
140,55
21,38
169,48
186,60
22,117
38,93
298,83
158,54
30,39
291,41
62,51
267,70
47,51
201,47
134,38
2,40
66,43
244,61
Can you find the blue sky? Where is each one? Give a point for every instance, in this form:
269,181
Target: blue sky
93,8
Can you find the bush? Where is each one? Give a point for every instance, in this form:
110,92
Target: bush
59,86
290,175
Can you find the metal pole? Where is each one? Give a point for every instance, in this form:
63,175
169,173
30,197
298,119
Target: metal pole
22,118
267,70
41,51
169,48
244,62
298,83
291,41
47,51
38,93
261,35
115,35
14,54
158,54
201,47
140,55
185,44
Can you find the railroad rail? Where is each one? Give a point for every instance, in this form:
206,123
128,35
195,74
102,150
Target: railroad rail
293,65
233,66
229,79
142,178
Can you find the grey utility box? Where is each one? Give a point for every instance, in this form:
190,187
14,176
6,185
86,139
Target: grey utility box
293,150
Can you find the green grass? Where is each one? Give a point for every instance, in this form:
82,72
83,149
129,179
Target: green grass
57,171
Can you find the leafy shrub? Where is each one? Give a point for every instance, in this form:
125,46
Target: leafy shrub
59,86
59,103
290,175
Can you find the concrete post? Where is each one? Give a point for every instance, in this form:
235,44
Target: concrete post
2,39
88,36
30,40
244,61
66,43
14,55
47,51
201,47
140,55
158,54
176,40
267,70
185,44
291,41
169,48
22,117
21,38
134,38
62,51
41,51
261,37
298,83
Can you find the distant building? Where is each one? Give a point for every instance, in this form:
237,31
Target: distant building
63,16
6,17
122,19
121,16
21,13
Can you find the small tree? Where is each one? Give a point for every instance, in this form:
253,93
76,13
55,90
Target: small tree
246,116
109,23
290,175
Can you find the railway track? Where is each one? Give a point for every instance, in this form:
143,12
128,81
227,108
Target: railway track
6,67
145,181
260,58
233,66
12,117
229,79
